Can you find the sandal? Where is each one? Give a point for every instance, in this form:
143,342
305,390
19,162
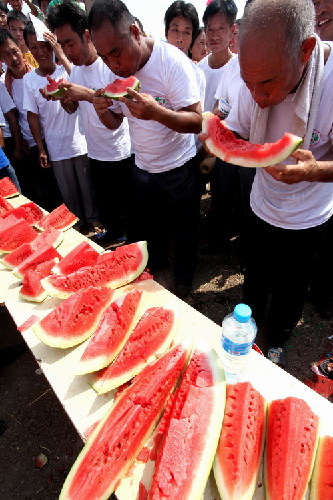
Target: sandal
326,367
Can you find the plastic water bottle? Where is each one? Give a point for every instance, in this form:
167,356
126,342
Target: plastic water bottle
238,333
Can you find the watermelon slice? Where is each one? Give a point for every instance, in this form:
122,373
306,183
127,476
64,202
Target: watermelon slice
118,88
187,452
151,337
14,235
322,477
46,252
240,447
75,319
59,218
8,188
53,90
112,333
49,237
224,144
31,288
118,438
29,212
113,269
82,255
5,206
292,434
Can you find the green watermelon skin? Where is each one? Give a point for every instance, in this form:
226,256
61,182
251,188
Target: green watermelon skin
150,338
239,452
221,142
186,454
113,269
75,319
113,446
112,333
322,477
291,442
82,255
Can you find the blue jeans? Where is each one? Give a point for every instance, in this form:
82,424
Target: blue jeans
10,172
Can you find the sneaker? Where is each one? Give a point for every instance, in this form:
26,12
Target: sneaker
277,355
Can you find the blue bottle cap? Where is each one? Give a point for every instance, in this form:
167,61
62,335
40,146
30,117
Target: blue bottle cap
242,313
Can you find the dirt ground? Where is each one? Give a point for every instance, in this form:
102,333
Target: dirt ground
32,420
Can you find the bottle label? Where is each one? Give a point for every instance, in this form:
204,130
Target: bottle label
236,349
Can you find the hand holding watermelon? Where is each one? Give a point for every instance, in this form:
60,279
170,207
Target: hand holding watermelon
306,169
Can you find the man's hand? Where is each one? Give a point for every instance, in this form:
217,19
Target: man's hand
306,169
43,160
75,92
101,103
141,106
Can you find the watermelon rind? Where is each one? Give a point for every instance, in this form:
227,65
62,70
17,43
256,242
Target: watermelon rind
131,82
114,375
241,443
63,286
261,155
291,441
196,419
322,476
91,363
57,328
124,430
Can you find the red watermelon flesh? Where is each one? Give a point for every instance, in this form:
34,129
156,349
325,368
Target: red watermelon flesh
322,477
31,288
113,269
118,88
7,221
240,447
5,206
186,454
28,211
151,337
46,252
75,319
221,142
8,188
15,235
82,255
291,441
119,437
59,218
112,333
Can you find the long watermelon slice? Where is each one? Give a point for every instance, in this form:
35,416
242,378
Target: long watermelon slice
292,435
75,319
118,88
322,477
191,437
31,288
8,188
14,235
151,337
224,144
28,211
59,218
118,438
46,252
240,447
82,255
5,206
112,333
113,269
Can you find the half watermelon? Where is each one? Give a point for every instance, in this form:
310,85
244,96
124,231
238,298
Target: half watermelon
322,477
8,188
118,88
75,319
221,142
59,218
111,449
240,447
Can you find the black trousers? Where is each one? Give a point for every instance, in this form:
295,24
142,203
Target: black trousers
167,209
113,185
279,264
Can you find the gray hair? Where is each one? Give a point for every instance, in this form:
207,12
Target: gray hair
296,16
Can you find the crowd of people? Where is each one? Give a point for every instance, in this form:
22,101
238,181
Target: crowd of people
136,168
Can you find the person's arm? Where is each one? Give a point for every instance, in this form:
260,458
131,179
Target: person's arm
36,131
57,49
12,118
307,169
32,7
144,106
2,140
108,118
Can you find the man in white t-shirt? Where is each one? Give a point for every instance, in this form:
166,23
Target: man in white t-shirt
292,203
66,146
162,118
109,151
